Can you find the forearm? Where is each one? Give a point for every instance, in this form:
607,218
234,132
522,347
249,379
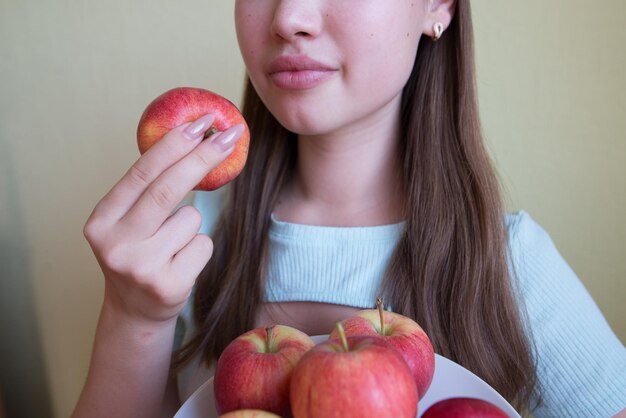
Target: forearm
129,368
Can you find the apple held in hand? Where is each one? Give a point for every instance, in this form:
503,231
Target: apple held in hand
464,408
353,377
255,369
249,413
402,333
186,104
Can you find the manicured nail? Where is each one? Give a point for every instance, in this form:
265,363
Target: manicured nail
227,139
198,127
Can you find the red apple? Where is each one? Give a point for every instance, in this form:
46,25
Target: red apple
255,369
249,413
185,104
353,377
464,408
402,333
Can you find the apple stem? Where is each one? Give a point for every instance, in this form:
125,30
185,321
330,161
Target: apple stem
381,309
342,335
212,130
268,340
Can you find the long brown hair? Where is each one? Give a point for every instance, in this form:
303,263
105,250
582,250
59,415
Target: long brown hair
450,271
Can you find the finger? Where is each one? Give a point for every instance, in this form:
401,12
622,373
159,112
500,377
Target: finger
191,260
158,201
175,145
176,232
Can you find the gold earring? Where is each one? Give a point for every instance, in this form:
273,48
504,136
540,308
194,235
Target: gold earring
438,29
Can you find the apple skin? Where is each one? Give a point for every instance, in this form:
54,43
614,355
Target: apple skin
186,104
402,333
369,380
249,413
464,408
248,375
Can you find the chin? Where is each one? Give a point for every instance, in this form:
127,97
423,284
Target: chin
304,114
315,122
301,126
302,121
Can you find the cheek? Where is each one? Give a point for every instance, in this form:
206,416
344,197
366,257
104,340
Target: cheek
384,61
382,49
250,27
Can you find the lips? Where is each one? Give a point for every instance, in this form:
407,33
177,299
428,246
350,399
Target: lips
299,72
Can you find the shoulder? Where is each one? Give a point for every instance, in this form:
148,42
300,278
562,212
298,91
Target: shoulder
575,349
535,260
540,272
525,234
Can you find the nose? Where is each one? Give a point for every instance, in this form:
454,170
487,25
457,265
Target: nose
294,19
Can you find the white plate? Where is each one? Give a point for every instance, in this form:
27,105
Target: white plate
450,381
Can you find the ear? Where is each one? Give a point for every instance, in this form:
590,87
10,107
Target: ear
441,11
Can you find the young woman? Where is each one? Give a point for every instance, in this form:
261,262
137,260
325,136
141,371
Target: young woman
367,176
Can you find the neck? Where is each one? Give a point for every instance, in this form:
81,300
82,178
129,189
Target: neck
350,177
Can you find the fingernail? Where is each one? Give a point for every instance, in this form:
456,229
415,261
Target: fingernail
198,127
227,139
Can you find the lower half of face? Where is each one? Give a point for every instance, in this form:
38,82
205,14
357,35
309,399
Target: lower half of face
323,66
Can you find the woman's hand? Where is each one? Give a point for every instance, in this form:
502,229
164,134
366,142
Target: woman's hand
150,256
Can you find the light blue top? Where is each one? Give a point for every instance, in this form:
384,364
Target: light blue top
581,363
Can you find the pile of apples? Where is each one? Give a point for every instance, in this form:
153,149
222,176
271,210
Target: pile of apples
374,364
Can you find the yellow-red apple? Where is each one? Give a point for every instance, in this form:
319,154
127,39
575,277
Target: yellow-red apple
353,377
249,413
254,370
402,333
186,104
464,408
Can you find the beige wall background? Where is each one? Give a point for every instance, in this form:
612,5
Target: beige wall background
76,75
